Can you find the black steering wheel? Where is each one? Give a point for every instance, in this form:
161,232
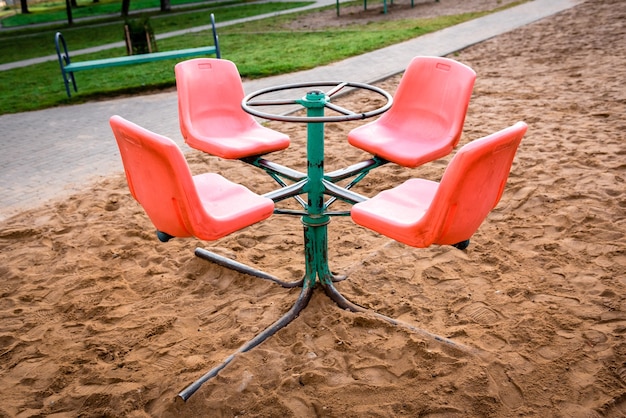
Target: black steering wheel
336,86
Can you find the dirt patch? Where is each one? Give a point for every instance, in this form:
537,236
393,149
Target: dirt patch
400,9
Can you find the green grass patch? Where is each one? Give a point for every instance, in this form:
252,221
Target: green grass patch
55,12
259,48
41,43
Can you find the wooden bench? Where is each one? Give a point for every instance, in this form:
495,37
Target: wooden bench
68,68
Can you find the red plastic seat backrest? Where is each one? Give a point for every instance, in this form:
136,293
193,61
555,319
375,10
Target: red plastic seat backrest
210,92
472,184
432,100
158,176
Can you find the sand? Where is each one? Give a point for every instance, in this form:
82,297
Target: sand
101,319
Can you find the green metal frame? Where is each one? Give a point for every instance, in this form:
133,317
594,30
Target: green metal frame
315,218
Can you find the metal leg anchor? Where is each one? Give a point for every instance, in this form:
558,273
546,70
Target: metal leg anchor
301,303
242,268
344,303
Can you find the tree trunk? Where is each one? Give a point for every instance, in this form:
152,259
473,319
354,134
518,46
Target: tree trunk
166,5
73,3
125,7
24,6
68,9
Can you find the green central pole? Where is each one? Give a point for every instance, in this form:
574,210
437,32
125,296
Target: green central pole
316,221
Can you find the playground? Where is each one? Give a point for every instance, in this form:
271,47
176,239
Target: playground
101,319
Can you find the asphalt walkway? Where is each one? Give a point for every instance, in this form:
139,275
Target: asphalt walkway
51,153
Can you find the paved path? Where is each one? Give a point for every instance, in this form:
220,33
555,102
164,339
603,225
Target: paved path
51,153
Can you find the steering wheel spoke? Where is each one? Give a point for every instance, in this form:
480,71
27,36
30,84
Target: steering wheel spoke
336,89
339,109
272,102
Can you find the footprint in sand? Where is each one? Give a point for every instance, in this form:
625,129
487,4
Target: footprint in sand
218,322
621,373
480,313
508,391
166,361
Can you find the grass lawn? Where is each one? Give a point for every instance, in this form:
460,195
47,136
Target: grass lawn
259,49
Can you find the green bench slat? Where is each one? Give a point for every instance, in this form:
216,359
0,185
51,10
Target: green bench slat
138,59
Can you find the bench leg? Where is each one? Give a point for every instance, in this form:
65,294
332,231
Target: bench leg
64,59
67,86
67,77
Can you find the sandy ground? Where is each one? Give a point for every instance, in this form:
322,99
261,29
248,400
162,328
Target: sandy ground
98,318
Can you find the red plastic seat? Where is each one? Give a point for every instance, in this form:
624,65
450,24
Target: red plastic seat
210,114
205,206
421,212
426,119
